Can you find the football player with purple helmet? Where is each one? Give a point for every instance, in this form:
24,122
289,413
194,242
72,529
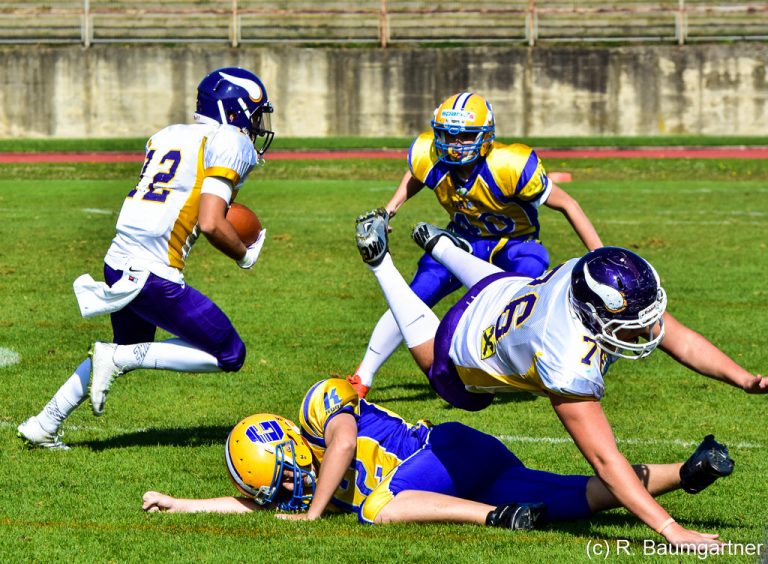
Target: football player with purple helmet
191,174
555,335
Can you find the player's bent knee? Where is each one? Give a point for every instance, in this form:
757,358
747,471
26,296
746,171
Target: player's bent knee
233,359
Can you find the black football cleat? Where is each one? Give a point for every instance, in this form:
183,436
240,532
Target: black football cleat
517,516
426,235
372,234
709,462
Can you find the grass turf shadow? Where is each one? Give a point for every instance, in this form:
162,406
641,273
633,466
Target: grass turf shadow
192,436
425,392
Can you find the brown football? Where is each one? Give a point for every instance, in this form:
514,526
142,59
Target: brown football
245,222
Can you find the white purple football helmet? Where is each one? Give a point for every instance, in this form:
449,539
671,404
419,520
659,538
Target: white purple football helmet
614,289
236,96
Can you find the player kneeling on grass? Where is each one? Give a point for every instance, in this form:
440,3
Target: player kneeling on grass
555,336
191,174
373,463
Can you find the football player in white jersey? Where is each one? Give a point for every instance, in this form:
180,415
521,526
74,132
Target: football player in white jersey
555,336
492,193
191,174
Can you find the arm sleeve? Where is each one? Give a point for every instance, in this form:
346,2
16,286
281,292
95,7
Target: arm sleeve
217,186
229,154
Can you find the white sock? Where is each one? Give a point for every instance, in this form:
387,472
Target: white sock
416,321
66,399
384,341
466,267
172,354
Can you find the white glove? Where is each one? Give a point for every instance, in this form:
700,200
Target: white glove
253,251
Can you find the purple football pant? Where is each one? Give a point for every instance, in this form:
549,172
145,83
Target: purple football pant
463,462
442,375
182,311
432,281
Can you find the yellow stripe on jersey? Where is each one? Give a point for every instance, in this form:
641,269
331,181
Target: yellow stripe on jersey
223,172
185,232
475,379
529,381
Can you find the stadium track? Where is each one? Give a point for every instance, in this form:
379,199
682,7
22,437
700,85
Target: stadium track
587,153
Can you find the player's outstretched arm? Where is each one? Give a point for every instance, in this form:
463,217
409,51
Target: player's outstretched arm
341,444
693,350
588,426
156,501
563,202
408,188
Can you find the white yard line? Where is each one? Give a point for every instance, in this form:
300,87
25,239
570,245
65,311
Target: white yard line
503,438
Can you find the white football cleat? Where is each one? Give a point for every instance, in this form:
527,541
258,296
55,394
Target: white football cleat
103,373
33,435
372,235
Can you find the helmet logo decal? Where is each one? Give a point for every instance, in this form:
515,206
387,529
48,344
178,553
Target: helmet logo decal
270,431
614,300
255,92
457,117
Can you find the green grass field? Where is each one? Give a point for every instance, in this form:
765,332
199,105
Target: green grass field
305,312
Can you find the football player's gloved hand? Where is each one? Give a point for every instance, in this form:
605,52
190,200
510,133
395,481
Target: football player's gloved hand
253,251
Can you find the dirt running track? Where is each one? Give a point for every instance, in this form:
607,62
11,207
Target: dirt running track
597,153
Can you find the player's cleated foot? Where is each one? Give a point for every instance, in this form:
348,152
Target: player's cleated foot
361,389
33,435
426,236
103,373
372,237
709,462
517,516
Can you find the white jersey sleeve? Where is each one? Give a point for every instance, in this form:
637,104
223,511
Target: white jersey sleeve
229,154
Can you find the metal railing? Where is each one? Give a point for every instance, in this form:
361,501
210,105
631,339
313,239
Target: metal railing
381,22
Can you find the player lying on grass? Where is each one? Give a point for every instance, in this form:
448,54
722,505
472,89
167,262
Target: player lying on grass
555,336
373,463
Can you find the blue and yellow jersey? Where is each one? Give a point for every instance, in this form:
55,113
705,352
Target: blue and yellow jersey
499,199
384,439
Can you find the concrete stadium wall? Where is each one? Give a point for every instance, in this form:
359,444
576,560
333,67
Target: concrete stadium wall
131,91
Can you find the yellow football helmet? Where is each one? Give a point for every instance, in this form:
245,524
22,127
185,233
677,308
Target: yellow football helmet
258,451
464,128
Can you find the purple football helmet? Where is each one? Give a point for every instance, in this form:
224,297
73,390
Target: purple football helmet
614,289
236,96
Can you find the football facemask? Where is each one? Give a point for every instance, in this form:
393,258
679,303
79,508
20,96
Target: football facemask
235,96
264,452
615,291
464,128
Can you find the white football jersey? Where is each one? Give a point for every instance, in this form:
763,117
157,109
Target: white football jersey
520,334
157,225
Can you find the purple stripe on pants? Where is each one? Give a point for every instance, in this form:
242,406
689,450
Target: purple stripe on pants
442,375
182,311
